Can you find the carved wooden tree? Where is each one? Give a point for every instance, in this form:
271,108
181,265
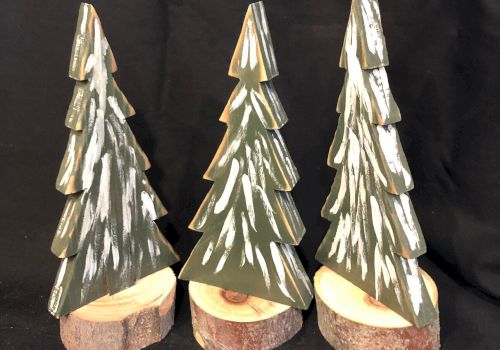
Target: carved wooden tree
249,218
374,238
107,238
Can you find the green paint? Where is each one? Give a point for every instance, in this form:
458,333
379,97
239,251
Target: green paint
248,219
374,237
106,236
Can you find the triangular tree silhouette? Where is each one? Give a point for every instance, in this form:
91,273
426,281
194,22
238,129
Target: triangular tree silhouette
249,218
106,236
374,237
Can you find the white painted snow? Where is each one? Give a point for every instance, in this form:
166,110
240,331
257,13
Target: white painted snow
263,266
247,191
246,239
228,189
238,99
280,270
113,102
208,253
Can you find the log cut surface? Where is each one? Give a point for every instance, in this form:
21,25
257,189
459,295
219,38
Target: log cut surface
131,319
350,319
247,323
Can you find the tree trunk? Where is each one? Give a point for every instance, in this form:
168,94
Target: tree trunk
350,319
131,319
229,320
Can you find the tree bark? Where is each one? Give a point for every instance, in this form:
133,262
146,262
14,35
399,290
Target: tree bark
131,319
350,319
224,320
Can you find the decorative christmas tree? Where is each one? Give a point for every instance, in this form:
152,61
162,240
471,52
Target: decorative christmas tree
374,238
249,218
106,236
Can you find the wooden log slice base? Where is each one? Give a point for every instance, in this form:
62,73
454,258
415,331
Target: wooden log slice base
350,319
131,319
228,320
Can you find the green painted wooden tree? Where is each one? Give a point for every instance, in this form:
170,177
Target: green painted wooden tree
106,236
374,237
249,218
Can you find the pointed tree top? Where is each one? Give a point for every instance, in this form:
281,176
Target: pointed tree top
254,53
88,27
365,27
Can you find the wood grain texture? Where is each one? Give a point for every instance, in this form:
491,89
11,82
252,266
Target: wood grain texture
252,324
349,320
132,319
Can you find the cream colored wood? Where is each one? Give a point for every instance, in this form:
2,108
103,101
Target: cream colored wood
238,322
253,309
149,291
129,320
352,303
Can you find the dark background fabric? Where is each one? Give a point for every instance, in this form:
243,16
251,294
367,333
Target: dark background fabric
173,58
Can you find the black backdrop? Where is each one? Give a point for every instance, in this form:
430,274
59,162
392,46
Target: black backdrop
173,58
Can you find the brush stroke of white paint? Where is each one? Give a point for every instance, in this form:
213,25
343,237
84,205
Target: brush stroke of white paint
376,218
389,144
147,207
62,271
259,161
238,99
406,221
298,270
127,201
388,226
414,284
247,191
88,220
368,148
280,146
380,86
100,74
381,272
266,156
269,211
228,189
228,221
228,245
90,63
257,108
413,239
280,270
246,239
205,213
106,246
208,253
103,200
346,231
394,278
116,254
252,174
340,240
268,53
90,265
263,267
70,161
373,31
244,52
84,19
67,213
113,102
253,45
241,133
341,194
